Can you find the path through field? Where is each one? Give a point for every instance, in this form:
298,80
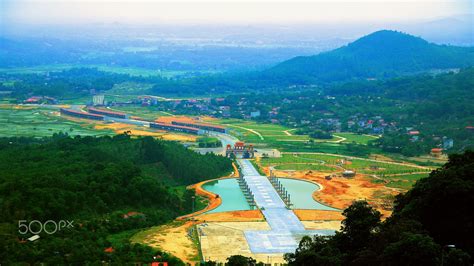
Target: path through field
248,129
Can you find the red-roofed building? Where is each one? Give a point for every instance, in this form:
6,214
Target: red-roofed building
240,148
109,250
155,263
33,100
71,112
203,126
171,127
413,132
239,145
107,113
436,152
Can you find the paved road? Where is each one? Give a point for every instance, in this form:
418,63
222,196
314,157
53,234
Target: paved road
225,139
286,228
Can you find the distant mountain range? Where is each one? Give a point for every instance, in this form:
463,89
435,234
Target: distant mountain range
382,54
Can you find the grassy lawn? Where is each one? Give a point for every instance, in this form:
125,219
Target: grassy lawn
305,167
146,112
393,175
327,162
403,181
40,122
261,134
275,136
357,138
289,158
402,184
108,98
130,88
412,177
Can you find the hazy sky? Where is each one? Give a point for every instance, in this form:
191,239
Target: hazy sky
222,11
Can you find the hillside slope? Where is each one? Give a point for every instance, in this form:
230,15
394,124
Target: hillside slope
380,54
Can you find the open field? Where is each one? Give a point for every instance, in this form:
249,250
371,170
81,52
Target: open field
148,113
39,122
175,238
393,174
284,139
404,181
108,98
357,138
361,165
132,71
133,130
263,134
255,132
305,167
340,192
130,88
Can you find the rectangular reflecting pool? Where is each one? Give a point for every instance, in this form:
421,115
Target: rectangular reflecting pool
233,198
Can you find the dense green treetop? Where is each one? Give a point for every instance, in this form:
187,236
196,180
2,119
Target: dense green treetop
94,181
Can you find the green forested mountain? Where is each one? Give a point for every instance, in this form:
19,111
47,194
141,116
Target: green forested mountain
383,54
378,55
93,182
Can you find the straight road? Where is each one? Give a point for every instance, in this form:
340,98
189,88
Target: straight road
286,228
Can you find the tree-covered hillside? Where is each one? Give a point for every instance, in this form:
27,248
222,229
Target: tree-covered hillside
436,106
432,224
381,54
93,182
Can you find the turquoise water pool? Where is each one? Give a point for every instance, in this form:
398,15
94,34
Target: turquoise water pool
301,194
233,199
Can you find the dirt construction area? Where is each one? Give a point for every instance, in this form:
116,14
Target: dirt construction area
222,234
221,239
172,238
340,192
